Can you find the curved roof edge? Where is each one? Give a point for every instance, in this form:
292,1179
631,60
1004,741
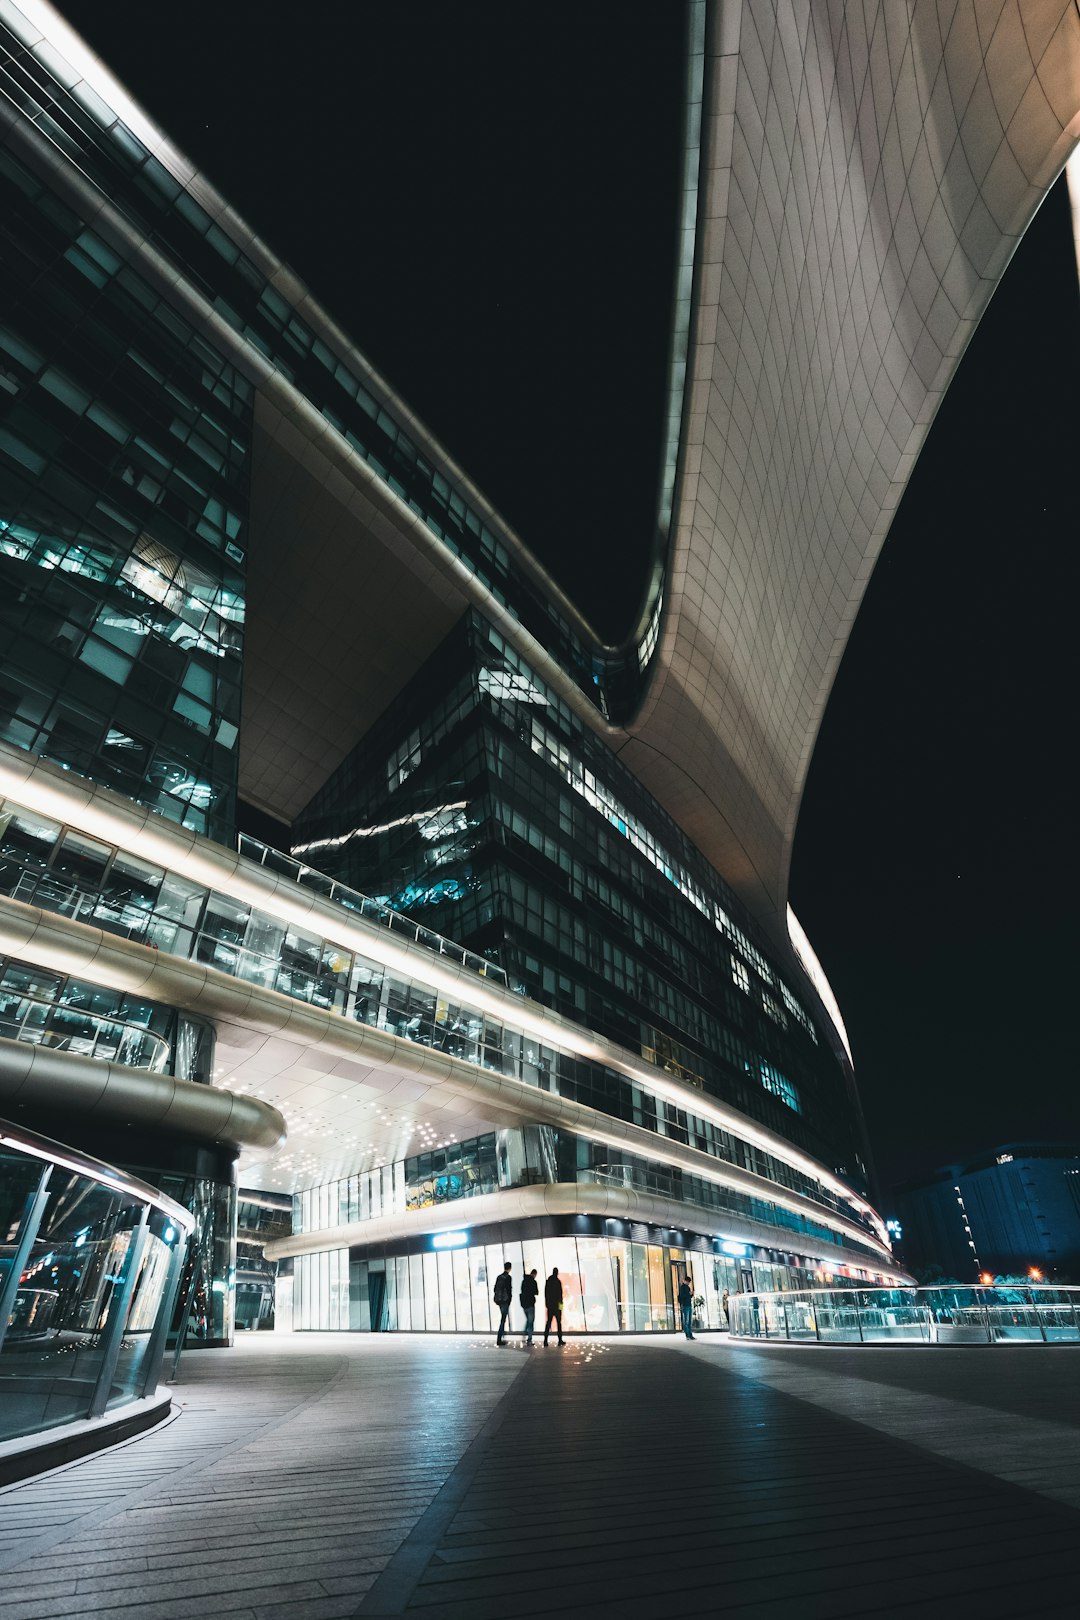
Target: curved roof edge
866,175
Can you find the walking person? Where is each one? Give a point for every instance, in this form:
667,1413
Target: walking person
686,1306
553,1300
529,1290
503,1294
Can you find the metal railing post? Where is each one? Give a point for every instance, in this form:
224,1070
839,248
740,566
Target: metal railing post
858,1321
33,1210
185,1311
156,1348
989,1326
1038,1315
119,1306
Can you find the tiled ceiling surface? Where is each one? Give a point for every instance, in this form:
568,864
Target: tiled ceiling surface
343,607
867,172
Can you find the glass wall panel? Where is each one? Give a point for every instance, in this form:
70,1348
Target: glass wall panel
562,1252
447,1319
660,1308
481,1288
462,1291
431,1293
416,1291
67,1242
402,1294
598,1285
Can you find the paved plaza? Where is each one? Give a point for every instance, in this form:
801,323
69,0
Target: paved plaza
331,1476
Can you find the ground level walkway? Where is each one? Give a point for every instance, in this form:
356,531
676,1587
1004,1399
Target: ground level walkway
332,1476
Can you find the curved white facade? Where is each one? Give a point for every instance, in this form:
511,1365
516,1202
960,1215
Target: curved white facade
866,173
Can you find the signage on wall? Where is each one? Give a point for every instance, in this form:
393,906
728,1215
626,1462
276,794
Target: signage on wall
729,1246
449,1240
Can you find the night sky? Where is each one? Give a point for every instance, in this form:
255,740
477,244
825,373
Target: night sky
484,196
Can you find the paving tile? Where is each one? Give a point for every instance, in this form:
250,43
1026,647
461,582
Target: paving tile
327,1477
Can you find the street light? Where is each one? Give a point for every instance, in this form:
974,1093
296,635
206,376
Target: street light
1035,1274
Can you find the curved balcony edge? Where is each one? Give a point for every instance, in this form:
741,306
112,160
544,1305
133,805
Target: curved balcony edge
42,1075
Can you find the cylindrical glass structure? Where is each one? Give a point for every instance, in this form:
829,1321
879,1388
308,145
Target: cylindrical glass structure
89,1263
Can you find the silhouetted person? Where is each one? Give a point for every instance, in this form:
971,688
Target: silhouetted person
553,1301
529,1290
503,1294
686,1306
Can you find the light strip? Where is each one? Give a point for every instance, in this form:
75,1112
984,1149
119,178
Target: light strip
105,1176
412,820
59,47
69,798
816,974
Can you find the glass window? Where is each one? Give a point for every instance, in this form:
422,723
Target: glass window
481,1288
447,1318
601,1304
28,839
81,859
177,912
431,1292
128,895
562,1252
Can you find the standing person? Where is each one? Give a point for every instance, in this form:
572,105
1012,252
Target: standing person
725,1306
553,1301
529,1290
503,1294
686,1306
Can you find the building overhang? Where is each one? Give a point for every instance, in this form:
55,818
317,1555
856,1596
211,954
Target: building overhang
617,1205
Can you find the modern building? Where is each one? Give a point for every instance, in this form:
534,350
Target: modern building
519,977
1012,1212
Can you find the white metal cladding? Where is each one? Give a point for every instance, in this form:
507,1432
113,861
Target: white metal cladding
866,173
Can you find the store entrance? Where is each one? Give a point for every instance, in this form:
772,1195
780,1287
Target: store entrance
679,1274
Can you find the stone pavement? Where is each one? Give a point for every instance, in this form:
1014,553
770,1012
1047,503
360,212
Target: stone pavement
330,1476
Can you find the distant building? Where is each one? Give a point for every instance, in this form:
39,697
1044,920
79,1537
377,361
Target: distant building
1004,1212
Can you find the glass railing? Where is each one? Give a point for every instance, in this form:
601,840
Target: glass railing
75,1029
90,1259
957,1314
362,905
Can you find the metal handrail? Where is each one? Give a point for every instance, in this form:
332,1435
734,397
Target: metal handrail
364,905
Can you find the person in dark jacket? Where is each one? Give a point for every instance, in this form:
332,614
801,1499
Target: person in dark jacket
503,1294
553,1301
529,1290
686,1306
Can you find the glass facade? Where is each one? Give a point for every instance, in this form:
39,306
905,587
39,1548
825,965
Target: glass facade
73,1015
231,271
139,320
539,1155
480,805
124,446
88,1268
611,1284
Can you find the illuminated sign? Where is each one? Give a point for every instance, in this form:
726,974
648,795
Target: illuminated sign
729,1246
449,1240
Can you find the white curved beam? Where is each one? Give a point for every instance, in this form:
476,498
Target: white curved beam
867,171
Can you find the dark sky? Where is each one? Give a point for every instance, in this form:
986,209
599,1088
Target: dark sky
484,195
